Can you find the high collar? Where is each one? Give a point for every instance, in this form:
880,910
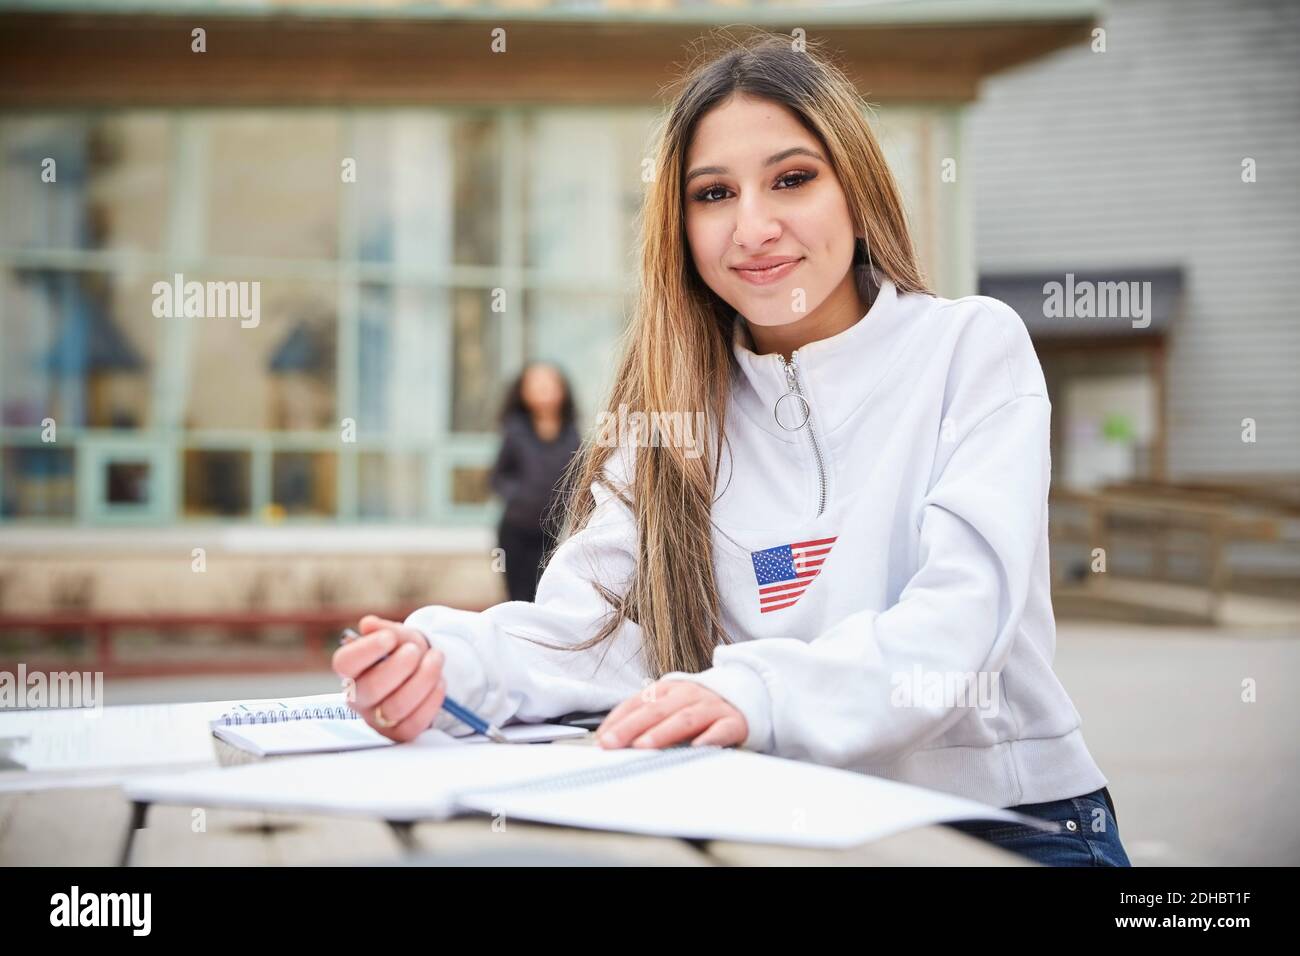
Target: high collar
836,374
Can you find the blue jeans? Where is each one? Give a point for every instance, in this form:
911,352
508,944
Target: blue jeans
1089,834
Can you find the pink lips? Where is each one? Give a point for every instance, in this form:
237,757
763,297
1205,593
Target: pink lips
768,276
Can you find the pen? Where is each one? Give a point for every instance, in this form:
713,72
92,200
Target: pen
463,714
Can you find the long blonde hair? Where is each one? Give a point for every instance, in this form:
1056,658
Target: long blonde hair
677,349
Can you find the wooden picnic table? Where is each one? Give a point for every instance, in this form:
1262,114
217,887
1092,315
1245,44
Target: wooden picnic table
88,827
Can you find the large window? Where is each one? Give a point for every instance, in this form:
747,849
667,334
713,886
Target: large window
368,284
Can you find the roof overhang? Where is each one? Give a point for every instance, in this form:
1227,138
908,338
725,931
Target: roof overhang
260,52
1122,306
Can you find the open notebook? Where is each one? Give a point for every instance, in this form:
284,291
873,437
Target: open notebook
691,792
324,723
83,747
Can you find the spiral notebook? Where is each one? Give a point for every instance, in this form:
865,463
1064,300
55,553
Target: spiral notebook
324,723
690,792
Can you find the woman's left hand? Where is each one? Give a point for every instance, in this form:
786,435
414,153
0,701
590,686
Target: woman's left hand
668,712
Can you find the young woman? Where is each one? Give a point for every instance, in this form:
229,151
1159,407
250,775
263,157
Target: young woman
538,442
856,571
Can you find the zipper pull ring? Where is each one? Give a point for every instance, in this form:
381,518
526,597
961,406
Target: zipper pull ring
792,393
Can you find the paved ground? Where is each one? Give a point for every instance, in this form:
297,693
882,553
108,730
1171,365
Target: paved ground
1198,776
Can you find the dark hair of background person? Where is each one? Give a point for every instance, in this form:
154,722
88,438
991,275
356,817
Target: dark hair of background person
514,400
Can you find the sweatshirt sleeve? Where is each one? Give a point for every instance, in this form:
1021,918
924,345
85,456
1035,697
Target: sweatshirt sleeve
493,665
831,700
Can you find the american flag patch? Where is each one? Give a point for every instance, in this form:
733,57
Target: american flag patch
785,572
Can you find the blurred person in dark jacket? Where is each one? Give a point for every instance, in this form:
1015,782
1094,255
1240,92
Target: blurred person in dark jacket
539,439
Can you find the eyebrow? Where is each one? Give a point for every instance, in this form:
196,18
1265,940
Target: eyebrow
770,161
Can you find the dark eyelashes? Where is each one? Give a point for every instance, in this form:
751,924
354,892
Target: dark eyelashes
801,176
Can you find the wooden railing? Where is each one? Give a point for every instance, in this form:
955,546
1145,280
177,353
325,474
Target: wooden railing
1163,523
97,633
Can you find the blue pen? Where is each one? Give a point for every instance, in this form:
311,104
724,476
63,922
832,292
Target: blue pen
463,714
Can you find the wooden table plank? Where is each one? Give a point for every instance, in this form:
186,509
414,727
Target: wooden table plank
467,838
923,846
71,827
257,838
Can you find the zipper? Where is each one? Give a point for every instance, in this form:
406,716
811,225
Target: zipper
792,378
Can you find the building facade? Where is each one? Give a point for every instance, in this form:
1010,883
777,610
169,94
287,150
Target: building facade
1170,156
386,210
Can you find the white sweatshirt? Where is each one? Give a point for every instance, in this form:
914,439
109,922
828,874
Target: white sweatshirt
871,564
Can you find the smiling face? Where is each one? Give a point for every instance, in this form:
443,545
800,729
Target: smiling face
743,210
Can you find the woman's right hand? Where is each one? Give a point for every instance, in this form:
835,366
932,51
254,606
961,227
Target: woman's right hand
400,696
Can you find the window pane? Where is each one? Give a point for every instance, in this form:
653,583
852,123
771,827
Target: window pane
110,188
401,351
477,386
578,333
127,482
273,181
469,485
78,347
217,483
402,215
476,191
390,486
579,214
38,482
277,374
303,483
428,190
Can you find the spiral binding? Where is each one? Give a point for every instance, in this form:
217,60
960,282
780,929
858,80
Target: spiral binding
235,718
598,775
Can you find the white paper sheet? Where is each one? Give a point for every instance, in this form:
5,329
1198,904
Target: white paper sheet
739,795
710,794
